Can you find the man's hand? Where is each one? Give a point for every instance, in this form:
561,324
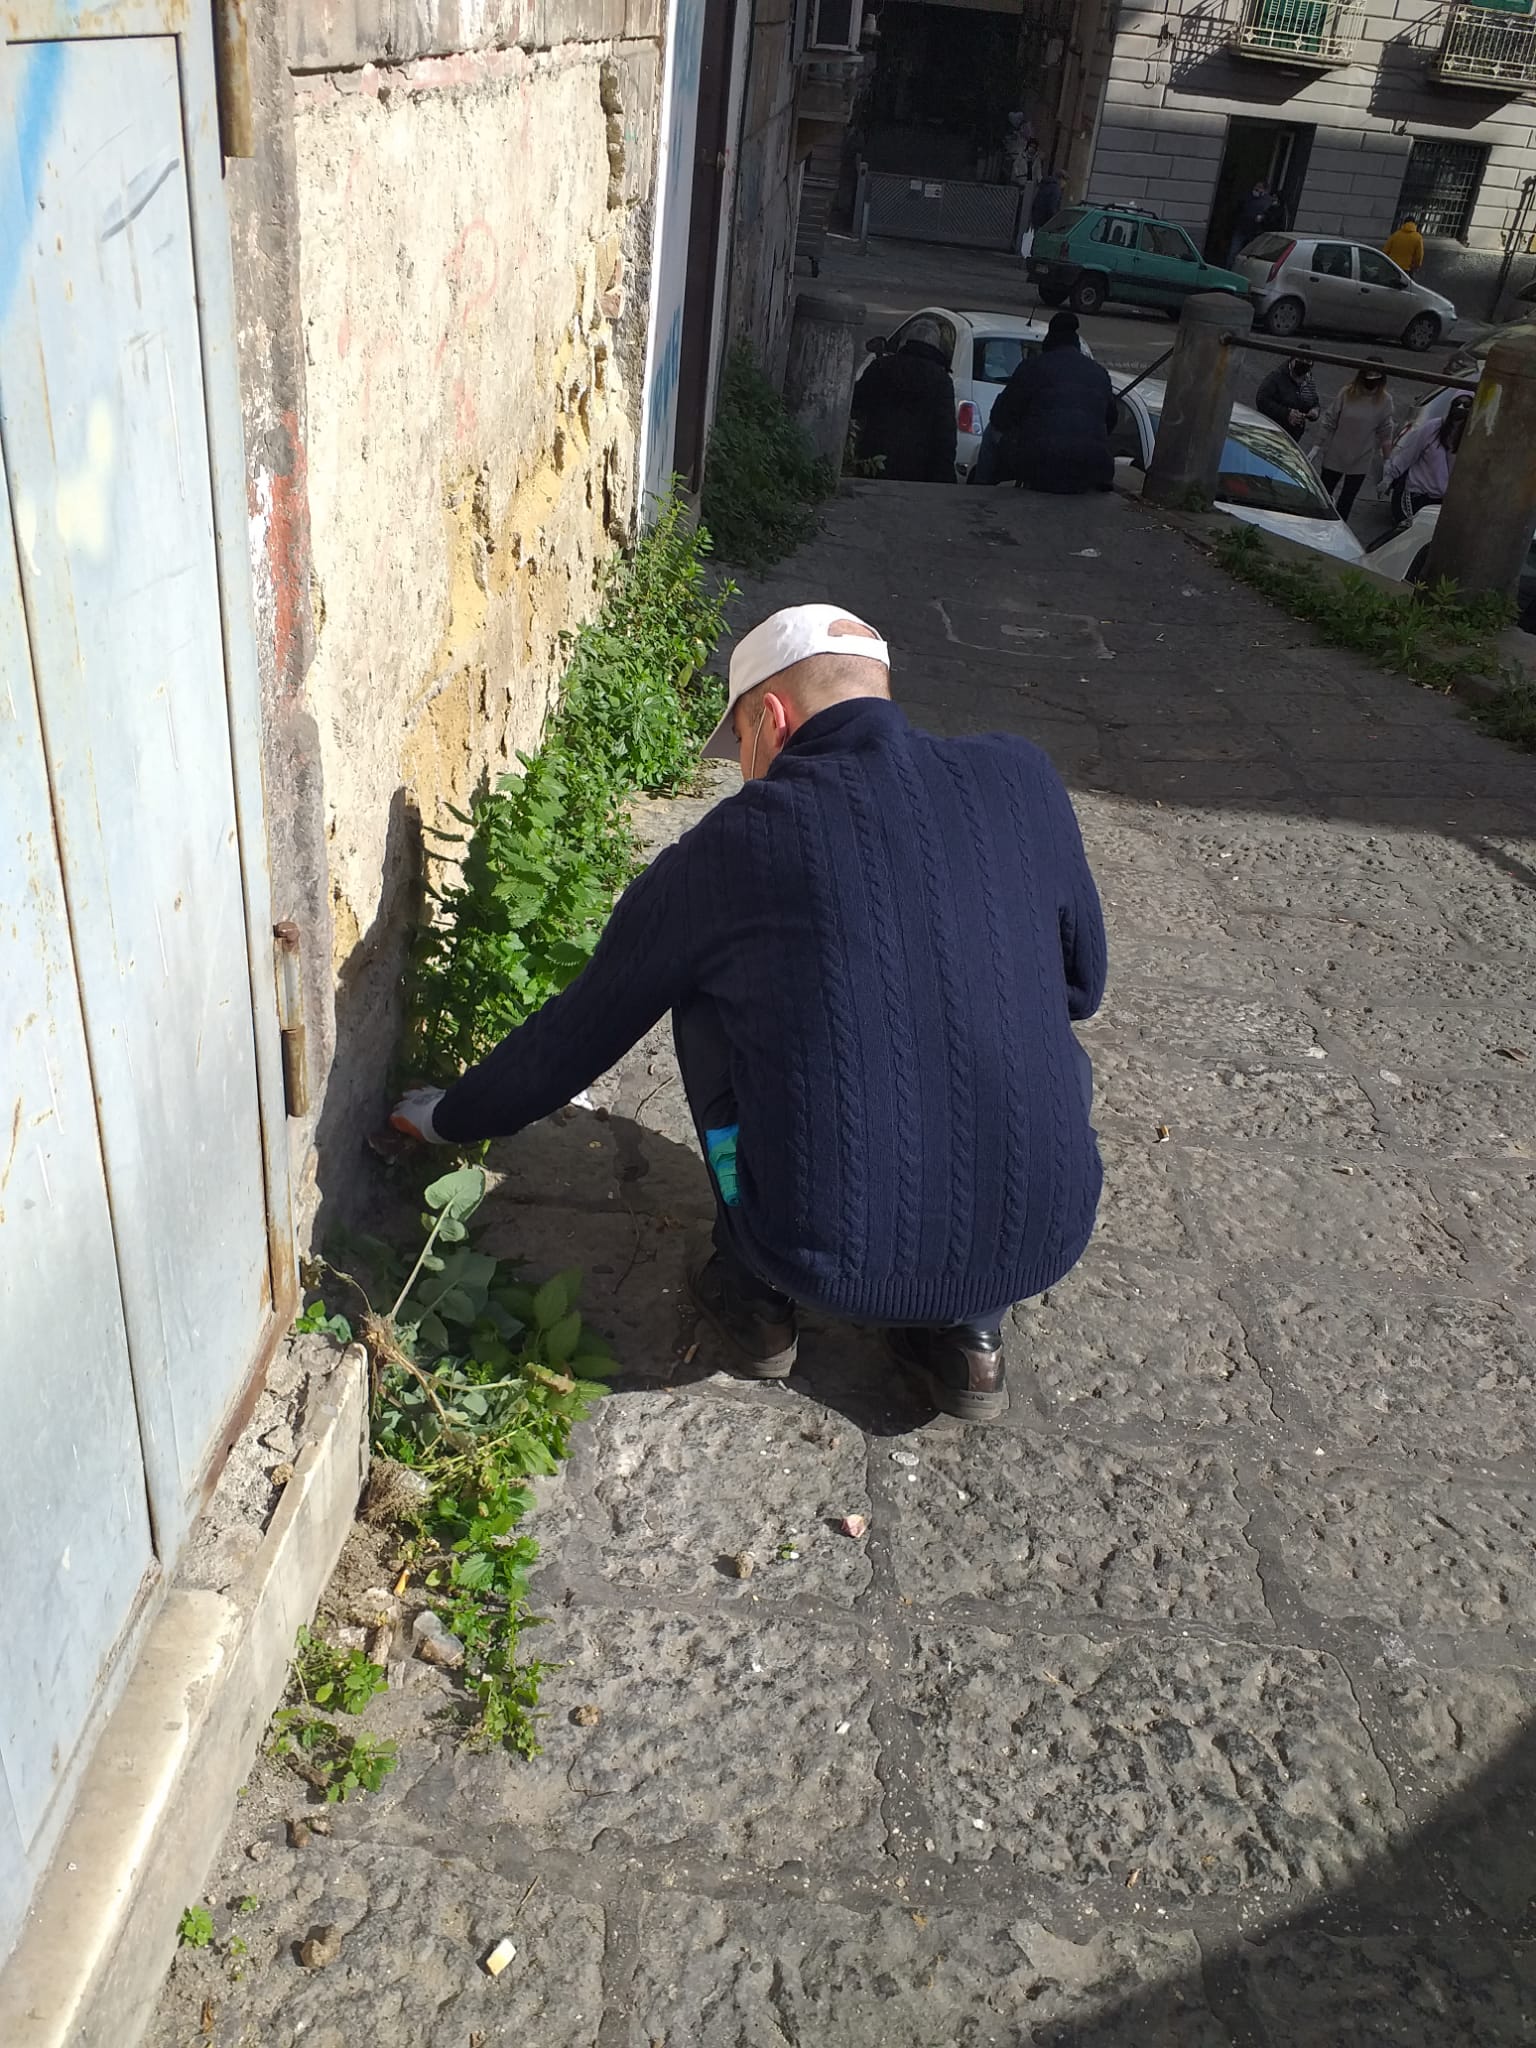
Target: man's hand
413,1115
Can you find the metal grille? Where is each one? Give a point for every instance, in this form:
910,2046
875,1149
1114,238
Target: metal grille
1440,185
944,210
1301,28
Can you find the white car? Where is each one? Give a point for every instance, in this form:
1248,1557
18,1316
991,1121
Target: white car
1265,480
984,351
1404,551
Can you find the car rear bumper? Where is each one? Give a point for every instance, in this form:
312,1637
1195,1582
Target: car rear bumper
1051,272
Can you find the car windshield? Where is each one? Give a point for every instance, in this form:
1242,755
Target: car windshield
1268,247
1263,468
1064,222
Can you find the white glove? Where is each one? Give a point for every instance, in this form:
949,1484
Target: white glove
413,1115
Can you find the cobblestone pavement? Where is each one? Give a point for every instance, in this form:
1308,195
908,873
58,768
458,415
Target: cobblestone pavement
1191,1705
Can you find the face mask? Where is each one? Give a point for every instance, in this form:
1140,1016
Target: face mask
1372,383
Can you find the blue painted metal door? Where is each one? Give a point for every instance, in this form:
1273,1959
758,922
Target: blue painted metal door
144,1252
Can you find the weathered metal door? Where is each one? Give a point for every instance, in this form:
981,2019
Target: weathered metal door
144,1237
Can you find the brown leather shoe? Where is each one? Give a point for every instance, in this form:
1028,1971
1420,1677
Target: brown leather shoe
763,1334
962,1368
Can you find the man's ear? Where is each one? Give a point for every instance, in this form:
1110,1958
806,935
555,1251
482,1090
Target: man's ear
780,717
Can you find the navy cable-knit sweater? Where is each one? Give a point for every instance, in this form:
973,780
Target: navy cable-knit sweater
897,931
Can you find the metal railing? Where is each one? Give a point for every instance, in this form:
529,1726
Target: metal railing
1442,380
1300,31
1486,46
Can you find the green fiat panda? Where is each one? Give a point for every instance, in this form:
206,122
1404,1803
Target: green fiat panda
1085,255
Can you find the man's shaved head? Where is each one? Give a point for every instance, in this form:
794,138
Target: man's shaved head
821,679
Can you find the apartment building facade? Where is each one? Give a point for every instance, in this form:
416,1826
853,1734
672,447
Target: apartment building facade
1356,111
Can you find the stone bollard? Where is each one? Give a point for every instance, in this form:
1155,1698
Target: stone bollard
1484,528
1197,405
826,346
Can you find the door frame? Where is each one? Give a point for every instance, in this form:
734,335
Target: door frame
701,293
1290,147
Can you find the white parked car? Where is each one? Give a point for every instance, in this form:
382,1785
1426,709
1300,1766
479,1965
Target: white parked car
984,351
1403,553
1265,480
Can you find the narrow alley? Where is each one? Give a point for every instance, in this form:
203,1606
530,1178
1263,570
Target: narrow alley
1183,1708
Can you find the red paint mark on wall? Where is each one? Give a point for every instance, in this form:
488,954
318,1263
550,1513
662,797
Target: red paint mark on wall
288,559
473,266
465,418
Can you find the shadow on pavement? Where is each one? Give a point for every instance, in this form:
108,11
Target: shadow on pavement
639,1202
1346,1972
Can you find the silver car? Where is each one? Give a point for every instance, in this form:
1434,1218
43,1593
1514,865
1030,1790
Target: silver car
1322,283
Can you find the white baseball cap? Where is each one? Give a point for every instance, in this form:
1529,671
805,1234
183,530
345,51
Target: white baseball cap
791,635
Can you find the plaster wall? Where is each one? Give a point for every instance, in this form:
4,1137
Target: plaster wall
466,250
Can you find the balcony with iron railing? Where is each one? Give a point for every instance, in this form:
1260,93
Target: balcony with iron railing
1491,48
1316,34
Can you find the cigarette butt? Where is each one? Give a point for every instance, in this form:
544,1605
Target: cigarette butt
402,1582
690,1354
500,1956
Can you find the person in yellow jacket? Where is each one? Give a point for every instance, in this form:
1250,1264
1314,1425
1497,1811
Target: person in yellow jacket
1405,245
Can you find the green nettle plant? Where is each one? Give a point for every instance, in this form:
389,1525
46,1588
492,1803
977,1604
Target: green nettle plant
1434,636
762,478
477,1382
476,1378
520,894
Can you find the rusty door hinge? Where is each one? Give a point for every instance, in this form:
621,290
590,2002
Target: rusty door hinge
290,1012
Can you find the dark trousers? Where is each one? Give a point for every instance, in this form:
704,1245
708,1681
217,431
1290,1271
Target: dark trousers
991,465
1405,502
1342,489
704,1061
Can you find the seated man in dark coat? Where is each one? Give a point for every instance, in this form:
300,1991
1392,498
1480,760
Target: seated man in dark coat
1051,423
904,410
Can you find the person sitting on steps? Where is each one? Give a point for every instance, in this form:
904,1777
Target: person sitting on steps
874,953
1050,426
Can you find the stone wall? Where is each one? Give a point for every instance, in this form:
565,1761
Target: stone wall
454,220
1173,85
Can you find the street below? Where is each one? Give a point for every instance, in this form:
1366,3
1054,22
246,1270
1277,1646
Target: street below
893,279
1190,1706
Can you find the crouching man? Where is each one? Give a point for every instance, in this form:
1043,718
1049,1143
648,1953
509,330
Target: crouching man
873,954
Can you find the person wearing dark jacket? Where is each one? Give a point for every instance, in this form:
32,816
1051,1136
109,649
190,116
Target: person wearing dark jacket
904,410
1052,420
1047,200
1288,396
874,954
1259,212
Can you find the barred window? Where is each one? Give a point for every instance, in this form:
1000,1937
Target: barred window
1440,185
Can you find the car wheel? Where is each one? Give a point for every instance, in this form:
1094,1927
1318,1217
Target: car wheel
1285,317
1087,295
1053,295
1421,333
